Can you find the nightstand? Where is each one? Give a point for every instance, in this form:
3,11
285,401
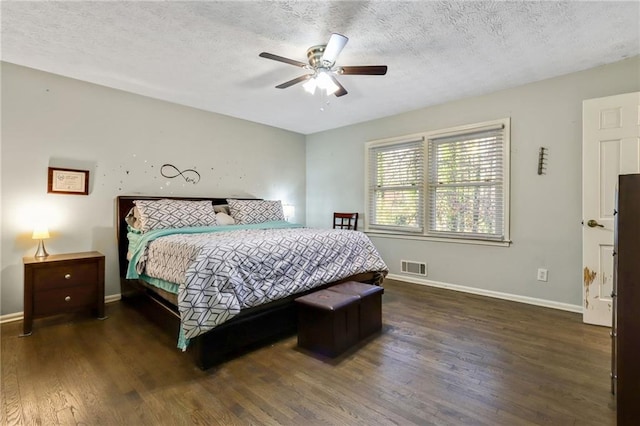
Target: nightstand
62,283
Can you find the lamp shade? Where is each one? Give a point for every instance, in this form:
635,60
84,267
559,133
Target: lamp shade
289,211
40,233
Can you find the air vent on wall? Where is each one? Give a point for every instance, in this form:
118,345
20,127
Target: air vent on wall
415,268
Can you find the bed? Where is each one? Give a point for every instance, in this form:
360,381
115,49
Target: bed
251,305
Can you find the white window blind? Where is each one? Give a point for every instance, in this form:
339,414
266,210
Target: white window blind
466,183
396,186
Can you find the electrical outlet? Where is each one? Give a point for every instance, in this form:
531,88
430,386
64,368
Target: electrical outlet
542,274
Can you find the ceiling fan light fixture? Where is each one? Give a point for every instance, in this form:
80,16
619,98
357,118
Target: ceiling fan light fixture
325,83
332,89
310,86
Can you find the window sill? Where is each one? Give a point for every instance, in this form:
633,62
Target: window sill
419,237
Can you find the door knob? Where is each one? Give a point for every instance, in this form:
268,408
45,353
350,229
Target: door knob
593,223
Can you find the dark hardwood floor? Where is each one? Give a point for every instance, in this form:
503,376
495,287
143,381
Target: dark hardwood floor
443,358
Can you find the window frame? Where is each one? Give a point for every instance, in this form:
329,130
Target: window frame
397,142
396,232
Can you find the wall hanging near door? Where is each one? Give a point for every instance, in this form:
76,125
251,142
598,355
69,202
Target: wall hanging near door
542,160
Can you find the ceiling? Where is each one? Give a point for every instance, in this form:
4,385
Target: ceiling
205,54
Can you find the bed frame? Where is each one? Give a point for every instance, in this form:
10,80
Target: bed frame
249,329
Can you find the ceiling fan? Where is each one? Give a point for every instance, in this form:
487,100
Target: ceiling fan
322,59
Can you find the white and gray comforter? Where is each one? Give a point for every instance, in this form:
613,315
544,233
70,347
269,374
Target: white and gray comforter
221,273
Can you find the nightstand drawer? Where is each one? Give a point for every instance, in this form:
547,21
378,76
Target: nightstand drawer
63,276
58,300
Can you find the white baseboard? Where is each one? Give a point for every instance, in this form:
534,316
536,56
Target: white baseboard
490,293
19,315
112,298
11,317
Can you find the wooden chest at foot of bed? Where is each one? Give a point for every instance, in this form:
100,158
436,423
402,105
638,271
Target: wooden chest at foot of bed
328,322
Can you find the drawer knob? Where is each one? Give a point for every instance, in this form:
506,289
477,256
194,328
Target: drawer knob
68,298
67,276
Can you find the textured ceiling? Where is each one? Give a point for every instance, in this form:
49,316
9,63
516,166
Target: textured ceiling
205,54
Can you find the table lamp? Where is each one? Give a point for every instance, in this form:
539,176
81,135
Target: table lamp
41,234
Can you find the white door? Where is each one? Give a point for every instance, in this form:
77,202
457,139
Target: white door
610,146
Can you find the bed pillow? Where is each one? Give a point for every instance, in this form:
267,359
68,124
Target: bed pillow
224,219
164,214
221,208
133,220
255,211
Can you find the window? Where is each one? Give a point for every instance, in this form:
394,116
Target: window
397,186
460,191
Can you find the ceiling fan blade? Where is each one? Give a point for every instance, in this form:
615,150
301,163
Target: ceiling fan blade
341,90
364,70
334,47
282,59
294,81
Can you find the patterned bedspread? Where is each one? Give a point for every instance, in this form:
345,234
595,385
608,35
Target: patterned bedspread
219,273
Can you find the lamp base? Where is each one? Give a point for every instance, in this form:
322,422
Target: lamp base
41,252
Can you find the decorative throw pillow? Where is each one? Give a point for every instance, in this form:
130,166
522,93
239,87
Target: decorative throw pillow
163,214
255,211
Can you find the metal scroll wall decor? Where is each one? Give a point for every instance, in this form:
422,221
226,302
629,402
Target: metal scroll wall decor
170,171
542,160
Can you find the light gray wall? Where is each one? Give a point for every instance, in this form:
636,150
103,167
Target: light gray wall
122,139
49,120
545,210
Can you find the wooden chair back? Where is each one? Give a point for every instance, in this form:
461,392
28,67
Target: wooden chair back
345,221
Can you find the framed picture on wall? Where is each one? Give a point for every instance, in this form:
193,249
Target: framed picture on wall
68,181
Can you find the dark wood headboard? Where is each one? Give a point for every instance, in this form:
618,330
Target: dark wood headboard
124,204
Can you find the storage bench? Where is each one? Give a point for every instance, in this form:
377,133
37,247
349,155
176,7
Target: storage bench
327,322
369,308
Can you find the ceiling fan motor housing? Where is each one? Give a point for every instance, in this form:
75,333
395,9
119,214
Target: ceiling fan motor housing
314,55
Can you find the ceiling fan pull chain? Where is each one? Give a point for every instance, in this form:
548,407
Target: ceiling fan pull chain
323,100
